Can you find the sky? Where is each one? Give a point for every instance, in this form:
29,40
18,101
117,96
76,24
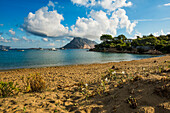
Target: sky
54,23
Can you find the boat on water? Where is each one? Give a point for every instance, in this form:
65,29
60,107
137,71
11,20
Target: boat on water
20,50
53,49
62,48
4,49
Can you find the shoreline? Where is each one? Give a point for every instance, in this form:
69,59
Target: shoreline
13,69
110,50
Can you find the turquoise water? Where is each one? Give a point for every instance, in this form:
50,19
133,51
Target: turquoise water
14,59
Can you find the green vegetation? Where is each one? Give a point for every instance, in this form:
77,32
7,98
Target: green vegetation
140,45
34,83
8,89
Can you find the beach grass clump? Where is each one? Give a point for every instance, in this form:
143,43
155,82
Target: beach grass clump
35,83
8,89
132,102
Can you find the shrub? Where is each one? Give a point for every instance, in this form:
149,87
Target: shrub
35,83
8,89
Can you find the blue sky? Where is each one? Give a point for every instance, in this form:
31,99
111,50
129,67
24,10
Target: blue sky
43,23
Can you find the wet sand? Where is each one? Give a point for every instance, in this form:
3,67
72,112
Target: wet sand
141,79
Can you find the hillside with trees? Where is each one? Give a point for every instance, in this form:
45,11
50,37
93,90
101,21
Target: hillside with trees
142,45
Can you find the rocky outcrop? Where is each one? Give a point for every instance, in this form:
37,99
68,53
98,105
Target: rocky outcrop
80,43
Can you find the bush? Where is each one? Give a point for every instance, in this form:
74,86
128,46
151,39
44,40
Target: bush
140,50
35,83
8,89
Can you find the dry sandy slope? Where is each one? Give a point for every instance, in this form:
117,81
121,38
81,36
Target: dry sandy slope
151,90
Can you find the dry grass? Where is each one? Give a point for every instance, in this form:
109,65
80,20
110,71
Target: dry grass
35,83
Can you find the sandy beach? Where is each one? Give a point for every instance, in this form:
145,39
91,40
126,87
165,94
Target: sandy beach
122,87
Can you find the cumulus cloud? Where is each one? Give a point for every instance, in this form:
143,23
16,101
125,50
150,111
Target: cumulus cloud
45,39
114,4
136,34
48,23
161,32
124,21
99,23
45,23
168,4
86,3
93,27
12,32
110,5
51,4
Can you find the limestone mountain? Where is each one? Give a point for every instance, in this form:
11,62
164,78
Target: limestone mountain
80,43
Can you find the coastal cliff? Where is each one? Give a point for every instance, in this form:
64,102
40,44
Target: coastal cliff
80,43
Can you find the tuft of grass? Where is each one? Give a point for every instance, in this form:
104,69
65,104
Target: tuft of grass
35,83
132,102
8,89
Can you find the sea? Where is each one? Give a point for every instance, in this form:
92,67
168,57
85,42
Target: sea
14,59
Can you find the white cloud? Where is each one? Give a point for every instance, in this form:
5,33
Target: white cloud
45,39
124,21
1,25
2,39
25,38
6,41
12,32
168,4
137,34
48,23
98,23
110,5
161,32
21,29
51,4
51,44
45,23
80,2
15,39
146,20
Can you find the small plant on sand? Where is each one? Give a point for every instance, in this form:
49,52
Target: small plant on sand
83,88
24,109
35,83
101,88
160,69
132,102
8,89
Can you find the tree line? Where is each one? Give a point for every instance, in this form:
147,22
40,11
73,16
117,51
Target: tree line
160,43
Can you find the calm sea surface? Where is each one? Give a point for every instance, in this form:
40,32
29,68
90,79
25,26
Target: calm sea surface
14,59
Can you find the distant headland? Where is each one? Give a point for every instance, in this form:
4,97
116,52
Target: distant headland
142,45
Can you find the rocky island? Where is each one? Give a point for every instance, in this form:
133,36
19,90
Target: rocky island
80,43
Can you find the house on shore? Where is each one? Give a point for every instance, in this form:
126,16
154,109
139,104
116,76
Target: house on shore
129,40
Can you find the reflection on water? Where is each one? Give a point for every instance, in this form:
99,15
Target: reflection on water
36,58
